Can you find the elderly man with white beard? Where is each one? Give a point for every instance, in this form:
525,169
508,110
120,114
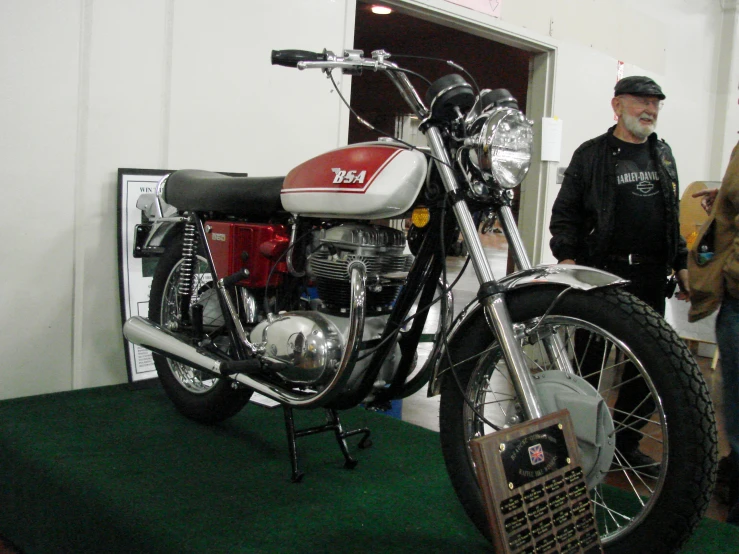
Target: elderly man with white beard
618,210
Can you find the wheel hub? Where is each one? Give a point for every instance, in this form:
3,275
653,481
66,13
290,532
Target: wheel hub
590,416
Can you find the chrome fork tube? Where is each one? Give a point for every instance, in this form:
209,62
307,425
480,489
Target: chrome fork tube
553,344
500,319
495,307
514,237
461,211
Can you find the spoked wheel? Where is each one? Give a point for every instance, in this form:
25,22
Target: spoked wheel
635,388
197,394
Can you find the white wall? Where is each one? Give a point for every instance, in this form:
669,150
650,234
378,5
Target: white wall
39,102
88,86
726,114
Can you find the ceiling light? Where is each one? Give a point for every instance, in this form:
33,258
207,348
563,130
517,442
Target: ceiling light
381,10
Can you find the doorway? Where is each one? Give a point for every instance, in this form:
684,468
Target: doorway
374,97
424,47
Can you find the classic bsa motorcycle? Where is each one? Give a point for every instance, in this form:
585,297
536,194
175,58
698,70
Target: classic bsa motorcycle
292,287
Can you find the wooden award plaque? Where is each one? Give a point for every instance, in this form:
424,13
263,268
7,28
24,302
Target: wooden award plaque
534,488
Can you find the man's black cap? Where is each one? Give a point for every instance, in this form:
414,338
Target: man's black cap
638,85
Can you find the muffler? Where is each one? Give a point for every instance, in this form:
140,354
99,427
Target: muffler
149,335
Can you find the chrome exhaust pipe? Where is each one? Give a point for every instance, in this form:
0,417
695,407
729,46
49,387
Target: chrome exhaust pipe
149,335
154,337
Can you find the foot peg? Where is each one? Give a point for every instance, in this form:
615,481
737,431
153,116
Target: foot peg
240,366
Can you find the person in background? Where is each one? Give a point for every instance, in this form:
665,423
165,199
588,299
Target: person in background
723,290
618,210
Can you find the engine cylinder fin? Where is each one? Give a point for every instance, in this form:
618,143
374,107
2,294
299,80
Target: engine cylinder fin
380,249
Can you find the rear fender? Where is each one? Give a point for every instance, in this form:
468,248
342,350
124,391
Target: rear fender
562,275
162,233
153,238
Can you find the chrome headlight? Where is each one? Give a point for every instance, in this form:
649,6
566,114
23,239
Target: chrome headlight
503,147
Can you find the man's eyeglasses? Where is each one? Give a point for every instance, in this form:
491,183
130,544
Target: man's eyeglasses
645,102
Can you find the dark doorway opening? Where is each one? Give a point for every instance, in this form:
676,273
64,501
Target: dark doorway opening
374,97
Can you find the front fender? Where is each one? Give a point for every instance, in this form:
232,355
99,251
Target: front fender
579,277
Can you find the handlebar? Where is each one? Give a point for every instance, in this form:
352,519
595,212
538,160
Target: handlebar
353,63
352,60
291,58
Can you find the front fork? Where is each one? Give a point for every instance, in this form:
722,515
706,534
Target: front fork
491,296
553,344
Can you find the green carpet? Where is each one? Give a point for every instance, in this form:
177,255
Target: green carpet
118,470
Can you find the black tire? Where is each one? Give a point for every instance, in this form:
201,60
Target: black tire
196,394
683,427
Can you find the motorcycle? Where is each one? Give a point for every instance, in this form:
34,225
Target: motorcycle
293,287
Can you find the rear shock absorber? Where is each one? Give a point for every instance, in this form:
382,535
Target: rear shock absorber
187,275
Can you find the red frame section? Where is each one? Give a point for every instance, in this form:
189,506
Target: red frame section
252,246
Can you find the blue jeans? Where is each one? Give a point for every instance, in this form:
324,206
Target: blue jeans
727,335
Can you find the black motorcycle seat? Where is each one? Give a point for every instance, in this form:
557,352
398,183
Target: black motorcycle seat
206,191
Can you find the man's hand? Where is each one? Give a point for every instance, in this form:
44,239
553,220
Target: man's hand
709,197
683,285
567,262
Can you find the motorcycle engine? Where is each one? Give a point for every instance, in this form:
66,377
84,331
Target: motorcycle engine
381,249
313,342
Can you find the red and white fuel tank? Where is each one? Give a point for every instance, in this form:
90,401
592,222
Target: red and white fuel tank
371,180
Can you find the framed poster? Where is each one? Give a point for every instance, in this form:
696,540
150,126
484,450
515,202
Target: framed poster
135,274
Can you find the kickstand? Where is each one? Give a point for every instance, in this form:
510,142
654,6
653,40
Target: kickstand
332,424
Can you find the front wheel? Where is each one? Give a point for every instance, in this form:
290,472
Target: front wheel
655,399
195,393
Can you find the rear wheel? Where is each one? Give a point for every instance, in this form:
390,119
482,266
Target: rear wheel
607,334
196,394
